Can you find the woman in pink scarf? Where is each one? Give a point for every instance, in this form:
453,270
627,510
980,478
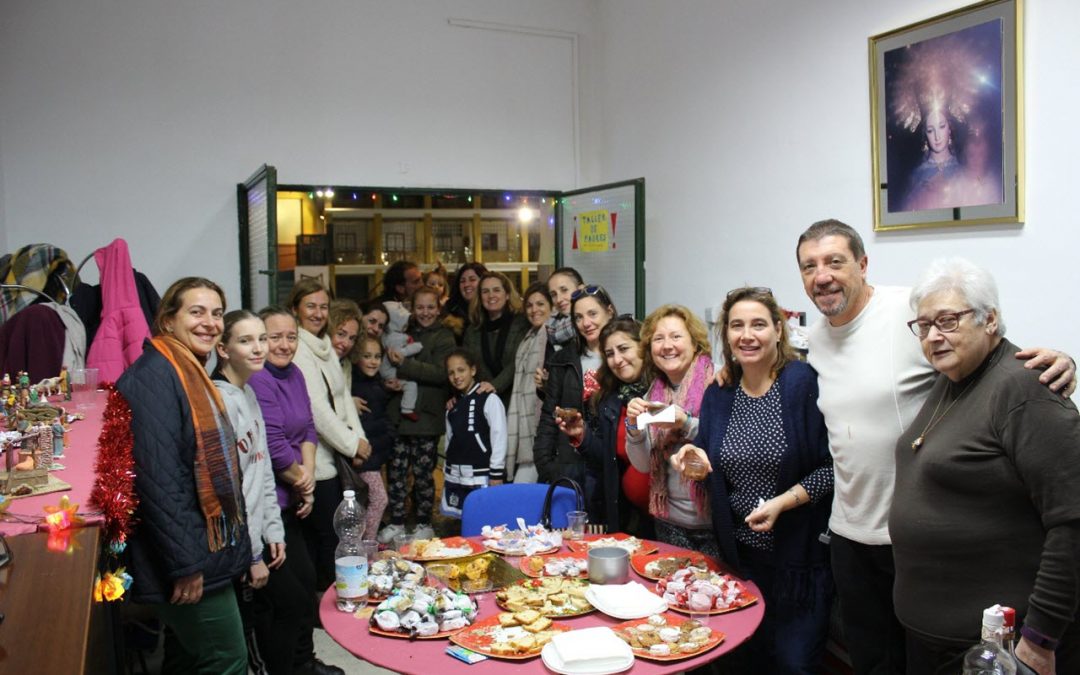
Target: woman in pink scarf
676,348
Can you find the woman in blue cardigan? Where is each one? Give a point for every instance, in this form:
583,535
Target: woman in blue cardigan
770,480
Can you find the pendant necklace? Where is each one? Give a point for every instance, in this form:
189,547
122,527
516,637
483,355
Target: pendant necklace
934,419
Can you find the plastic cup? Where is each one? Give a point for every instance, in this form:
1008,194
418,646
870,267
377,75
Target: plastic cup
694,467
576,521
370,547
403,543
84,382
703,618
438,574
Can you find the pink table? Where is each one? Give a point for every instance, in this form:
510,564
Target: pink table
25,515
423,657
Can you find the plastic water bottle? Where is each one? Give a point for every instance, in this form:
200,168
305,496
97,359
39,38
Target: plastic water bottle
990,657
350,562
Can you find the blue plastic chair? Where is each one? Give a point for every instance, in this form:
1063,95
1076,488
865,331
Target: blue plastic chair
501,504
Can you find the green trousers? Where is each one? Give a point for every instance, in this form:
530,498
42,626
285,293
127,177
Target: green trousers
207,637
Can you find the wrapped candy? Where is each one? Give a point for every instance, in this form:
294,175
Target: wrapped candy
699,602
427,628
453,624
388,620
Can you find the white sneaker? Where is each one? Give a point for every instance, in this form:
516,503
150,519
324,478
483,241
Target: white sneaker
423,532
387,534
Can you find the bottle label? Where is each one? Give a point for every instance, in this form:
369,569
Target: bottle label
351,576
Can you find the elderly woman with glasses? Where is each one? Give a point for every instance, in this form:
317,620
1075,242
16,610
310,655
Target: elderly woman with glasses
572,380
987,497
764,442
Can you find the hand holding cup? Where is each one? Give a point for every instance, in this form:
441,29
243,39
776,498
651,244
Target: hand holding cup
692,462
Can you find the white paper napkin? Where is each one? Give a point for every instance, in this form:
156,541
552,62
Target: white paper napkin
591,649
627,599
665,415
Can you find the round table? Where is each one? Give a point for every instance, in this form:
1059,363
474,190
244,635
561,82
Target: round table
423,657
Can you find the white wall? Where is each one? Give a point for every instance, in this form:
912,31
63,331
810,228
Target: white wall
137,118
750,120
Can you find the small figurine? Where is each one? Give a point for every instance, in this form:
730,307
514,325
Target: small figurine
7,380
65,385
58,439
34,396
48,386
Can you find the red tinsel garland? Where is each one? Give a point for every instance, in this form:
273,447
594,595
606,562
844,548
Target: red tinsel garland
114,484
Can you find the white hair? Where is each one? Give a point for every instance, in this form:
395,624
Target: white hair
974,283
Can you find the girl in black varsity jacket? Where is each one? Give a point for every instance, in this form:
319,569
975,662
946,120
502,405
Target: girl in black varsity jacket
475,435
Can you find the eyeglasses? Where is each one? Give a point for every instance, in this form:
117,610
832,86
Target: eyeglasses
750,290
945,323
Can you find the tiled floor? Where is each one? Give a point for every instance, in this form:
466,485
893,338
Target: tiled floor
334,654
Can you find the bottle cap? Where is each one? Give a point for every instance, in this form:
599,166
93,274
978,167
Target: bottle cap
993,617
349,494
1009,615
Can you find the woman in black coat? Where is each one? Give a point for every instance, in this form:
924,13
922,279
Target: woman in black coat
191,541
572,380
623,490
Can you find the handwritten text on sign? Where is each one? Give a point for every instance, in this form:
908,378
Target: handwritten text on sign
595,230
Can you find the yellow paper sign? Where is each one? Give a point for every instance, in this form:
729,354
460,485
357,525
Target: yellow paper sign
595,230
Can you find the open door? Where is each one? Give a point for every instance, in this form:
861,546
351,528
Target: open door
256,201
600,232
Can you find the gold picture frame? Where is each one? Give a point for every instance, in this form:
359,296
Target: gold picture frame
947,119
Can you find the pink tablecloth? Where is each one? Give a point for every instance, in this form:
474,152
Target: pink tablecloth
80,450
423,657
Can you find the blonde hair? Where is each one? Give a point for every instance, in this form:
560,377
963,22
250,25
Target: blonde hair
699,334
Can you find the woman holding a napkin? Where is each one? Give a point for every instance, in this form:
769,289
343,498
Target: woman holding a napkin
763,441
676,351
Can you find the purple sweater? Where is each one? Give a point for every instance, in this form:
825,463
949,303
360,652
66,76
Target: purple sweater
286,410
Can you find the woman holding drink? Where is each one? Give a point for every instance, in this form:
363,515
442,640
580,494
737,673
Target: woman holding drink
763,452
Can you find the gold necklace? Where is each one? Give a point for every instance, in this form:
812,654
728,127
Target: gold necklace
918,442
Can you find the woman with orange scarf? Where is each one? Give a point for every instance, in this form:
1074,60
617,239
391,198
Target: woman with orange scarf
191,540
676,347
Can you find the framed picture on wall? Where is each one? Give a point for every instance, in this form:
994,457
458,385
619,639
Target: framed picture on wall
947,119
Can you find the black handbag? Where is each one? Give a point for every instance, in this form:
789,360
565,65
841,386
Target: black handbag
545,514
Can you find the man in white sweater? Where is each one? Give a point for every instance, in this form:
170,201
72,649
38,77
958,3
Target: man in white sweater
873,379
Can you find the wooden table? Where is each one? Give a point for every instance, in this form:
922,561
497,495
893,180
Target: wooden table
51,623
423,657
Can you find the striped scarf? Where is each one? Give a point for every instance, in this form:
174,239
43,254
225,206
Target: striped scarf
666,442
217,468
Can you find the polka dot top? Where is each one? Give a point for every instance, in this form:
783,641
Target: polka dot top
750,456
